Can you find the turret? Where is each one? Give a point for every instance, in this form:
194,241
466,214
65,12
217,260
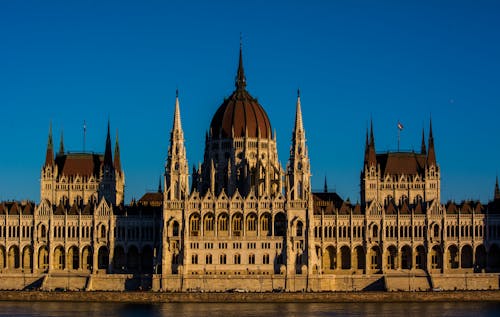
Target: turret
298,165
176,169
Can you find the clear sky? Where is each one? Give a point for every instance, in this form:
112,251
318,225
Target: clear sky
70,61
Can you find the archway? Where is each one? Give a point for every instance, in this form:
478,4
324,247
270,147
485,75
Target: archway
73,258
452,257
237,225
375,258
360,258
265,225
43,258
119,259
27,258
87,258
392,257
494,257
2,257
436,257
280,224
102,258
466,259
406,258
147,258
345,258
59,262
480,258
133,259
421,258
194,225
329,259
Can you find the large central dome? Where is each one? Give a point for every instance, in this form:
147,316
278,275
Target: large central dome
240,115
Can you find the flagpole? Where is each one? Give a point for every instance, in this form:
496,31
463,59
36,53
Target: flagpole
399,133
84,134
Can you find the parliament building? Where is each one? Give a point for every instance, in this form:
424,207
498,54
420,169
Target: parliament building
240,221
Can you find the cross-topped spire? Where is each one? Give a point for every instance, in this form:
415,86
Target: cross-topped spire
61,144
241,81
49,157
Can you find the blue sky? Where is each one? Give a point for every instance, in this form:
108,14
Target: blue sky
70,61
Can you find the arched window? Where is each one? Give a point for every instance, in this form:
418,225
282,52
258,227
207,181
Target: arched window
103,232
299,229
237,225
436,231
194,225
375,231
209,222
251,222
223,222
175,229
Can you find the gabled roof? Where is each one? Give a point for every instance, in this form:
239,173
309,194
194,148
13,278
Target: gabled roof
82,164
399,163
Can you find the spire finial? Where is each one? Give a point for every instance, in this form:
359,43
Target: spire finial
108,160
177,113
423,147
298,115
61,144
49,157
240,76
325,189
159,185
117,161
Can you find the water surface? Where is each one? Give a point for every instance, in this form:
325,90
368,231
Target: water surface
59,309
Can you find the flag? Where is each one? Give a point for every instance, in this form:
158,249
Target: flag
400,126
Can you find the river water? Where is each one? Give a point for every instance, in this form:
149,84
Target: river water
59,309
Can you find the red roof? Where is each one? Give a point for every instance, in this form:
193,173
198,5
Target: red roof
82,164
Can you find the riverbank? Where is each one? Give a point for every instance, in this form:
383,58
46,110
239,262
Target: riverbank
325,297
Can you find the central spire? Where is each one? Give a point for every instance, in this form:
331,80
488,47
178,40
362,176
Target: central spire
241,81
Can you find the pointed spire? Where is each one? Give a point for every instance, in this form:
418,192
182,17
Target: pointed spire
497,190
299,126
177,113
159,185
431,156
325,189
61,144
372,138
107,152
49,157
117,162
371,154
423,149
241,81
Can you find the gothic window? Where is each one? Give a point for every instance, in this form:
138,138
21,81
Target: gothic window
265,221
103,232
175,229
194,259
265,259
251,259
375,231
237,225
194,225
223,222
299,229
436,231
237,259
209,222
251,222
222,259
208,259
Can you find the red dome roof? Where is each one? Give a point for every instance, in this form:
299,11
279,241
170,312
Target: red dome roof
240,113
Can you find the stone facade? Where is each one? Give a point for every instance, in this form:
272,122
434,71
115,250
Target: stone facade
245,222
